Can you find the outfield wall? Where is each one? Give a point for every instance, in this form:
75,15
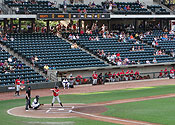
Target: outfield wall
11,88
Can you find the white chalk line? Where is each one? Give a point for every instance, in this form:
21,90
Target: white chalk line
127,101
115,119
48,110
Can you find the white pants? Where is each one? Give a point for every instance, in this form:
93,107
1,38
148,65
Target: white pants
126,78
94,81
130,78
56,97
17,87
64,84
172,76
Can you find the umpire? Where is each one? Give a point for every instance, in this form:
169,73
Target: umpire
28,97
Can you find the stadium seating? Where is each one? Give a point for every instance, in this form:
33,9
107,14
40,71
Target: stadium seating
24,72
33,8
157,9
74,8
113,46
51,50
135,8
166,45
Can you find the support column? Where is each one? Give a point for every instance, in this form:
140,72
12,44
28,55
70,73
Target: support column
33,25
19,25
11,24
161,24
167,24
135,24
47,26
79,21
5,25
144,25
109,25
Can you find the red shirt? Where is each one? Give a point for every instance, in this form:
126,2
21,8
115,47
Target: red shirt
94,76
160,74
81,32
113,76
109,75
165,71
131,74
17,82
22,82
171,71
118,54
136,73
122,73
127,74
55,93
118,74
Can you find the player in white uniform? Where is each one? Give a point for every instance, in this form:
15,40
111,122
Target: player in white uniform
35,103
65,83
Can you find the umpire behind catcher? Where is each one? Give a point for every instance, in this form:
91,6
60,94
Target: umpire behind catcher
28,96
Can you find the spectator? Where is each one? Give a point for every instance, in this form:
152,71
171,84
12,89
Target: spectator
10,59
46,68
148,62
154,60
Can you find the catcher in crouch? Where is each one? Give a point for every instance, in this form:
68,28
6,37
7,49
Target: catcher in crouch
56,95
35,103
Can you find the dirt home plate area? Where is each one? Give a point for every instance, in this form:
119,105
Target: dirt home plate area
90,111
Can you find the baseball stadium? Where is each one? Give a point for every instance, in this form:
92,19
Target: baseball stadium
87,62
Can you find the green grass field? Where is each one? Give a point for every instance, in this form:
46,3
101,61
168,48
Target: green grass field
124,112
155,111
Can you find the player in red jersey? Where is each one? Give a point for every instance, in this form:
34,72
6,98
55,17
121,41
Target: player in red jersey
165,72
56,95
17,84
172,73
131,74
94,76
127,75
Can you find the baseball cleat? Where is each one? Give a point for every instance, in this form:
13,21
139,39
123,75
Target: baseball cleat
70,111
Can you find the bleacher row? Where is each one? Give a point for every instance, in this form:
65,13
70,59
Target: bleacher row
113,46
167,44
49,7
51,50
135,8
33,8
16,69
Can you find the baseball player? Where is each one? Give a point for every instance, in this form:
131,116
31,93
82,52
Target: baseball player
56,95
17,84
94,77
65,83
35,103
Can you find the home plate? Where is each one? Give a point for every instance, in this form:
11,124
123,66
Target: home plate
60,109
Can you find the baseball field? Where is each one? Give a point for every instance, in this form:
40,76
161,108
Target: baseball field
148,103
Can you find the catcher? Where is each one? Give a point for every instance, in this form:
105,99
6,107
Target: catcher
56,95
35,103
